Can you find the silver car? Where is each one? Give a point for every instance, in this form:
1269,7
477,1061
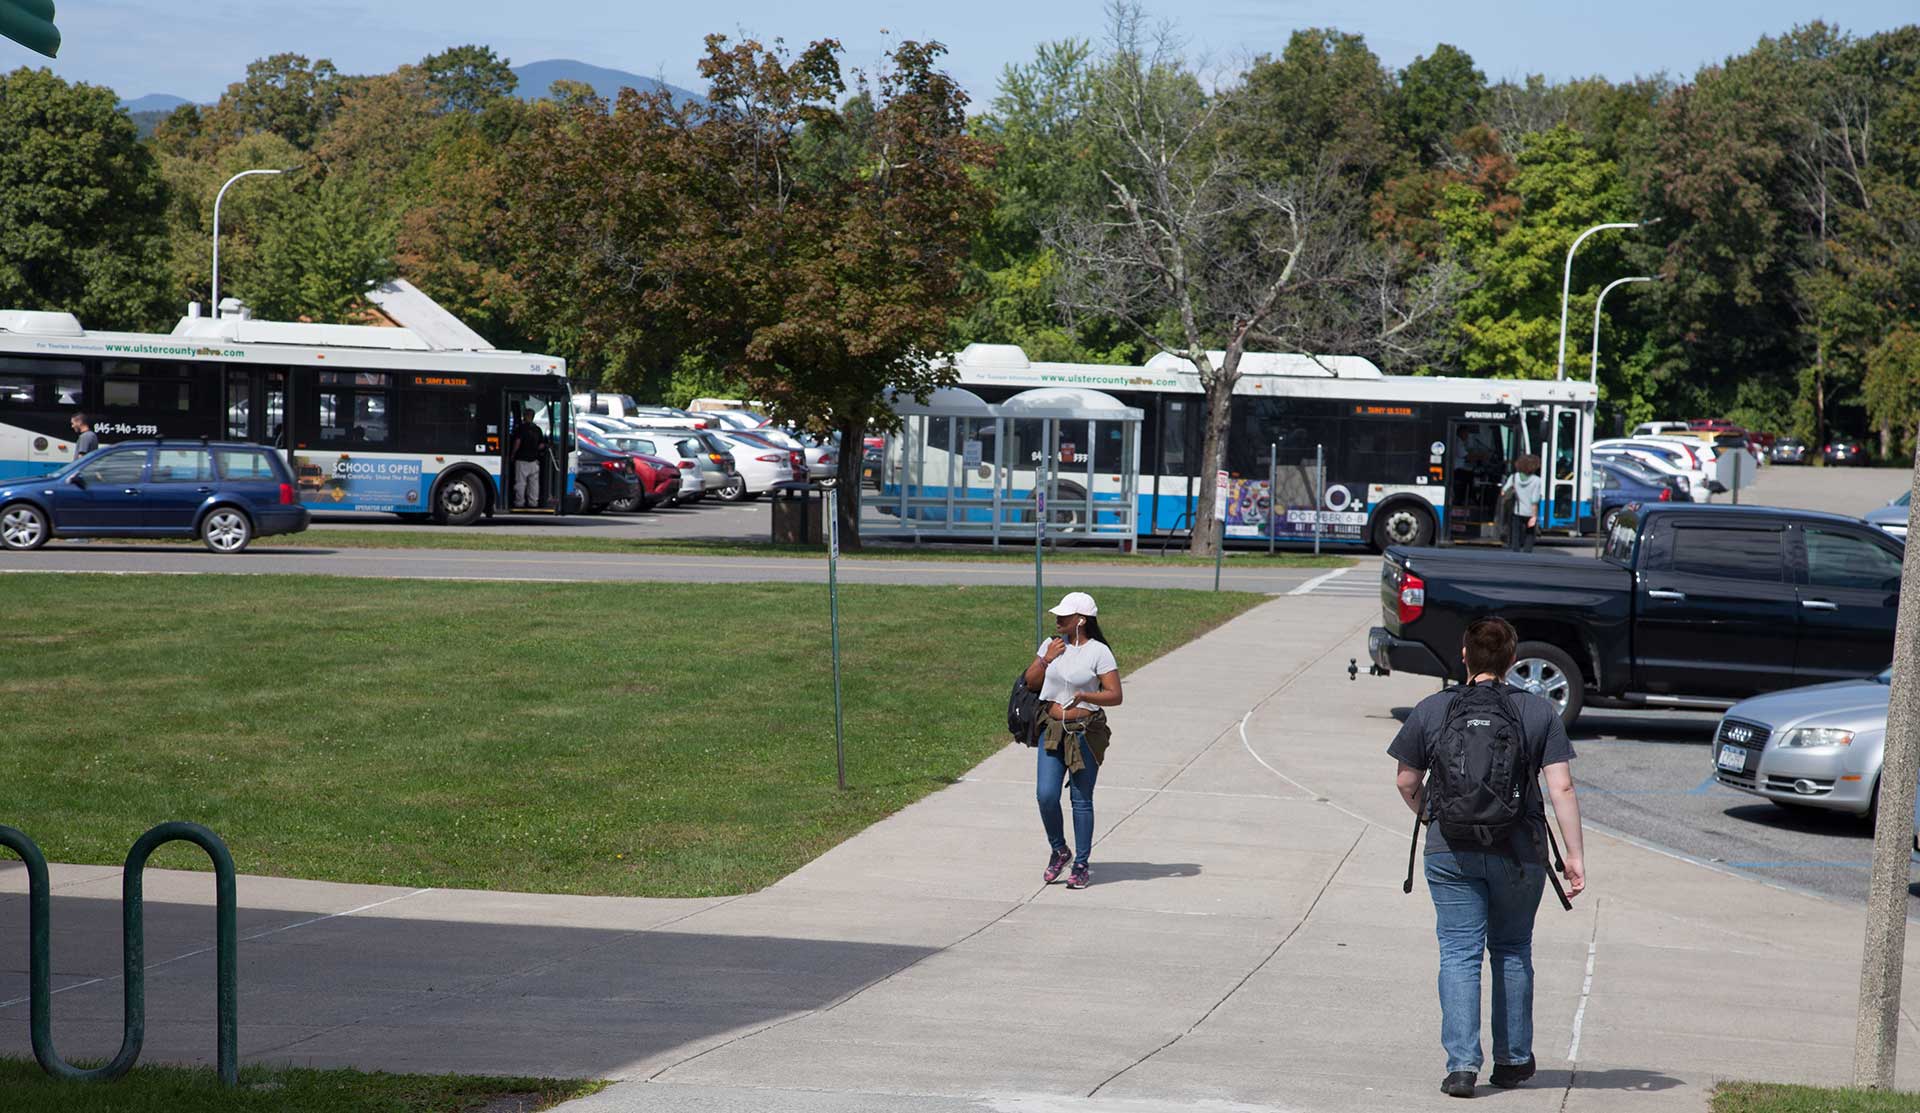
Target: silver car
1815,747
1892,517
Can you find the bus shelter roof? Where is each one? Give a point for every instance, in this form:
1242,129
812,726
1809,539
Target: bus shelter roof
1070,403
947,401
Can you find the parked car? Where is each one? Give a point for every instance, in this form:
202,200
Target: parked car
732,419
602,404
759,463
1655,428
870,463
1813,747
1691,607
1667,459
1845,451
601,479
1617,486
819,461
713,459
659,478
222,493
1893,516
1789,450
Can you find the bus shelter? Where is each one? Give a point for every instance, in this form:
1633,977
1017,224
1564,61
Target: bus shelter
960,467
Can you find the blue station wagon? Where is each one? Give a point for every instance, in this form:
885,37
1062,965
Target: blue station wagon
223,494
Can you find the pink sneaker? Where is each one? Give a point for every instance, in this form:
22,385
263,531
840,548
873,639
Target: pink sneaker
1057,862
1080,877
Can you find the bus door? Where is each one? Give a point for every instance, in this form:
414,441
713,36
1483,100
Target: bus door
1564,463
549,415
1480,453
256,405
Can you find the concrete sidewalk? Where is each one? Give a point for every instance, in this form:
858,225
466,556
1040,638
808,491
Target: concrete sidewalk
1245,944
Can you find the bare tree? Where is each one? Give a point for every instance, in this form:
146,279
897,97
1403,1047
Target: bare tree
1204,260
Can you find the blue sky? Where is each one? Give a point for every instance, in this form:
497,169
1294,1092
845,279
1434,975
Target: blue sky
194,50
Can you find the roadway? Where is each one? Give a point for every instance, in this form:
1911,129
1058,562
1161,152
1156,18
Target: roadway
114,558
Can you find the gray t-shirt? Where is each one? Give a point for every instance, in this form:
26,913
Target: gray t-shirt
88,442
1526,493
1545,734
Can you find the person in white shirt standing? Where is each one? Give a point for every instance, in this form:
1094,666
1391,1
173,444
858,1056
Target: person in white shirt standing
1526,487
1077,679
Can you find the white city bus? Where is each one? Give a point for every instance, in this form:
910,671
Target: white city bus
1330,445
370,418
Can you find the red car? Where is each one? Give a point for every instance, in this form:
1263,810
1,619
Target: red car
659,479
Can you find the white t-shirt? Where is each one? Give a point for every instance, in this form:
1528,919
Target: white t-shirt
1079,669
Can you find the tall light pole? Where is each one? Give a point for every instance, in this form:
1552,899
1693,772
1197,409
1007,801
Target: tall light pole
1593,369
1566,283
217,198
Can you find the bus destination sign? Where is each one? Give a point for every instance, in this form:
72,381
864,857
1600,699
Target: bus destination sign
1385,411
442,380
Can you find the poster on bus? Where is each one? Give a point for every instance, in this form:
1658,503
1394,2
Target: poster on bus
1255,506
342,481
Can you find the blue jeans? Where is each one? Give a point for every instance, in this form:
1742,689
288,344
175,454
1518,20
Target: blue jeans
1053,773
1484,903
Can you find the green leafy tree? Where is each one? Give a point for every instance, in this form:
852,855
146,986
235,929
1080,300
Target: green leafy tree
808,250
192,182
1437,97
287,95
82,205
325,248
468,78
1892,387
1508,326
1325,104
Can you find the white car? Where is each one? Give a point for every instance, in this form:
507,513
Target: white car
758,463
600,404
1666,459
1656,428
822,460
732,419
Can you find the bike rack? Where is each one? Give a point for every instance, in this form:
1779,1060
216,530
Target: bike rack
133,946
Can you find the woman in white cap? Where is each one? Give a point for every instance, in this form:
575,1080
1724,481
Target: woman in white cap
1078,680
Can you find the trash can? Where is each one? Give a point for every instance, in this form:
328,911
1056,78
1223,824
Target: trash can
799,514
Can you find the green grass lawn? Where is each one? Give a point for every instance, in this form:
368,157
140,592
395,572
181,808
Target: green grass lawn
428,537
155,1089
643,739
1767,1097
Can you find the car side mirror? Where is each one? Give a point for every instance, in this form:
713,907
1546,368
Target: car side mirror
78,480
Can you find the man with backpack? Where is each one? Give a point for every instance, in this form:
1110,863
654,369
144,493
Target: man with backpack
1470,761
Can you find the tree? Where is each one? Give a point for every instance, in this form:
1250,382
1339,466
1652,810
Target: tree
285,94
82,205
468,78
1437,98
1323,105
1195,250
809,250
329,244
379,131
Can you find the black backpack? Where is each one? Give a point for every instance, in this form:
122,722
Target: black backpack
1481,777
1023,712
1478,776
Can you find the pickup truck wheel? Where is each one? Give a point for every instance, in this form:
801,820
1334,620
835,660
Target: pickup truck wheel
1547,671
1402,523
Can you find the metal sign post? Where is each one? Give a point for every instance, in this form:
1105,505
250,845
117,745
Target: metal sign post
1273,489
833,618
1039,544
1220,524
1319,492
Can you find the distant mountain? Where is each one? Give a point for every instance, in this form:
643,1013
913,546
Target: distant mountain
538,77
155,102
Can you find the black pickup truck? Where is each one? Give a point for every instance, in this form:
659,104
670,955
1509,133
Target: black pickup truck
1689,607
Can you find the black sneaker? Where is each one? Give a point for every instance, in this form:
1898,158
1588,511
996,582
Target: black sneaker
1507,1077
1459,1084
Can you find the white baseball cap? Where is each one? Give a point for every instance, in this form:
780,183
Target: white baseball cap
1076,602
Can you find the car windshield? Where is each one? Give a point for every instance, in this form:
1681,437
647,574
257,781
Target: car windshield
1886,677
1902,500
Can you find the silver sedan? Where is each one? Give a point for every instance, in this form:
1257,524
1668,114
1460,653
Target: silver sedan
1815,747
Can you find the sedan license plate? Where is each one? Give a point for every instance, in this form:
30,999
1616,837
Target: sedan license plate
1733,758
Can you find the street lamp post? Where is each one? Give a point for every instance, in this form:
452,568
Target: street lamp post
1566,283
1593,369
217,198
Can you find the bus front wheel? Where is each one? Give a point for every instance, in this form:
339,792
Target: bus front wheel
1402,523
459,501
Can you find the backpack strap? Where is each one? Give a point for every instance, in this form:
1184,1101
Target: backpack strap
1412,851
